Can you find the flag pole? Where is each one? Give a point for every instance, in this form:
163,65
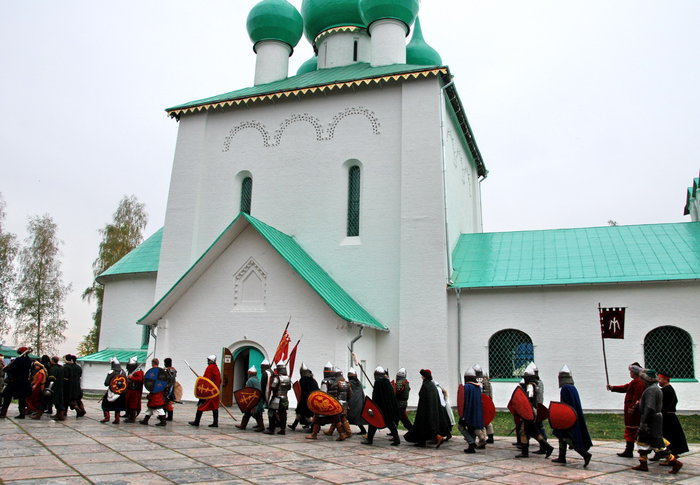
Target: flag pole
602,338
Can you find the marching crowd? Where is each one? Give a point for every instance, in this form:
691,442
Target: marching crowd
42,385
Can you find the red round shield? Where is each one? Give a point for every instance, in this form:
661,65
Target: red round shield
323,404
205,388
372,414
488,408
247,398
542,412
519,405
561,416
118,384
297,390
460,400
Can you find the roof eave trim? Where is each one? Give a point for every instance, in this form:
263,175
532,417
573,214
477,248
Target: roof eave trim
548,285
105,278
367,325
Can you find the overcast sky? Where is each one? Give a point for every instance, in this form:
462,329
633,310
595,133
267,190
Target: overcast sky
584,111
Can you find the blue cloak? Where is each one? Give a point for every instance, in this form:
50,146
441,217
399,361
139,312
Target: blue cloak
578,433
473,413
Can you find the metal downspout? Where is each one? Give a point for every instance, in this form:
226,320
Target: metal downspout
444,181
155,337
351,347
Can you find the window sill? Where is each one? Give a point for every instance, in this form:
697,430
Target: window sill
351,241
509,379
673,381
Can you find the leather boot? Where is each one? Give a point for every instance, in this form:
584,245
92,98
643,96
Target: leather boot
130,417
341,432
37,415
116,418
643,465
396,441
524,451
293,426
470,449
197,417
260,427
562,454
106,418
675,466
270,424
144,421
586,457
161,421
314,432
80,407
60,415
489,439
3,413
244,422
282,426
329,431
170,416
629,448
215,414
346,427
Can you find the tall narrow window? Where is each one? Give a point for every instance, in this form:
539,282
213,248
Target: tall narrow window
510,351
670,349
246,194
354,50
354,201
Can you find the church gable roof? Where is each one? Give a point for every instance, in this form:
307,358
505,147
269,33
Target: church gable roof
286,246
613,254
144,258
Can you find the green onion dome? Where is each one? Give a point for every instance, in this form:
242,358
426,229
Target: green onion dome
418,52
404,10
310,65
321,15
275,20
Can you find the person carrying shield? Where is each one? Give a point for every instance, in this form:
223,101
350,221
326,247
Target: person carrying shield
257,411
472,419
384,398
357,399
633,393
115,397
156,401
134,390
342,392
527,425
328,386
307,385
212,374
487,390
577,436
171,394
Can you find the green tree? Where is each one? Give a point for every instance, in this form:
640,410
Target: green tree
40,291
123,234
8,251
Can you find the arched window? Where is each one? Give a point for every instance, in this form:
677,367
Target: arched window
670,349
353,228
246,194
510,351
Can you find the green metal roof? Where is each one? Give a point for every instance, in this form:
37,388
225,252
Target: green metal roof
275,20
692,196
144,258
419,52
122,355
320,15
10,352
613,254
319,280
405,11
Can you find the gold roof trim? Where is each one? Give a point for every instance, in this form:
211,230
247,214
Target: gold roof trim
176,113
343,28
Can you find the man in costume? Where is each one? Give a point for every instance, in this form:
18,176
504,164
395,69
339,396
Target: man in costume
74,389
329,386
265,380
307,384
539,397
384,398
35,402
672,429
279,403
342,392
155,403
2,373
212,373
402,388
633,392
530,428
577,436
170,397
17,383
257,411
486,388
357,400
430,422
112,401
472,418
650,432
134,390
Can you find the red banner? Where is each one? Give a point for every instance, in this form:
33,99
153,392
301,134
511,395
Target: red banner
612,323
283,348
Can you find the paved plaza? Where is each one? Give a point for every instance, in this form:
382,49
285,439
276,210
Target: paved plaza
80,451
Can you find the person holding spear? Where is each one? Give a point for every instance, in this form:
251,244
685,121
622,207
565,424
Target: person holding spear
212,374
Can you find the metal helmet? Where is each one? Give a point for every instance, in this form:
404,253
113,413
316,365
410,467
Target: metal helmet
379,372
212,358
282,369
338,373
328,370
565,376
479,371
304,370
401,372
264,365
352,372
470,375
530,370
134,360
253,370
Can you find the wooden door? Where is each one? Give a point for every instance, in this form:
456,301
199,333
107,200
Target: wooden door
227,364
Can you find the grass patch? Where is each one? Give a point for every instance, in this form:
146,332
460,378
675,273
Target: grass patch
600,426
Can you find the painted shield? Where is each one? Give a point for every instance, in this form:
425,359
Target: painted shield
297,390
323,404
488,408
177,390
542,412
519,405
460,400
372,414
118,384
247,398
561,416
155,379
205,388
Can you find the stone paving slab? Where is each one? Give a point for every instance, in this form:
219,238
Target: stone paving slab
84,451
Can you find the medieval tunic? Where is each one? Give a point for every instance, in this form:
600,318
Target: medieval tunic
118,404
258,409
672,429
651,420
17,384
34,402
357,400
212,373
430,419
56,376
134,391
633,392
577,435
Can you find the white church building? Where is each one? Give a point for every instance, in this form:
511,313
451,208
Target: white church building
346,200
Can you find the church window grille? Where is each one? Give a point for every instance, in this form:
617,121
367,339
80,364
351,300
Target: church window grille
670,349
246,194
510,351
353,222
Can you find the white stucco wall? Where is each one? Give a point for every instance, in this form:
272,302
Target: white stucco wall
564,327
125,301
94,374
204,321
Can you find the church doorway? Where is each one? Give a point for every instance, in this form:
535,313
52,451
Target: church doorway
235,370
